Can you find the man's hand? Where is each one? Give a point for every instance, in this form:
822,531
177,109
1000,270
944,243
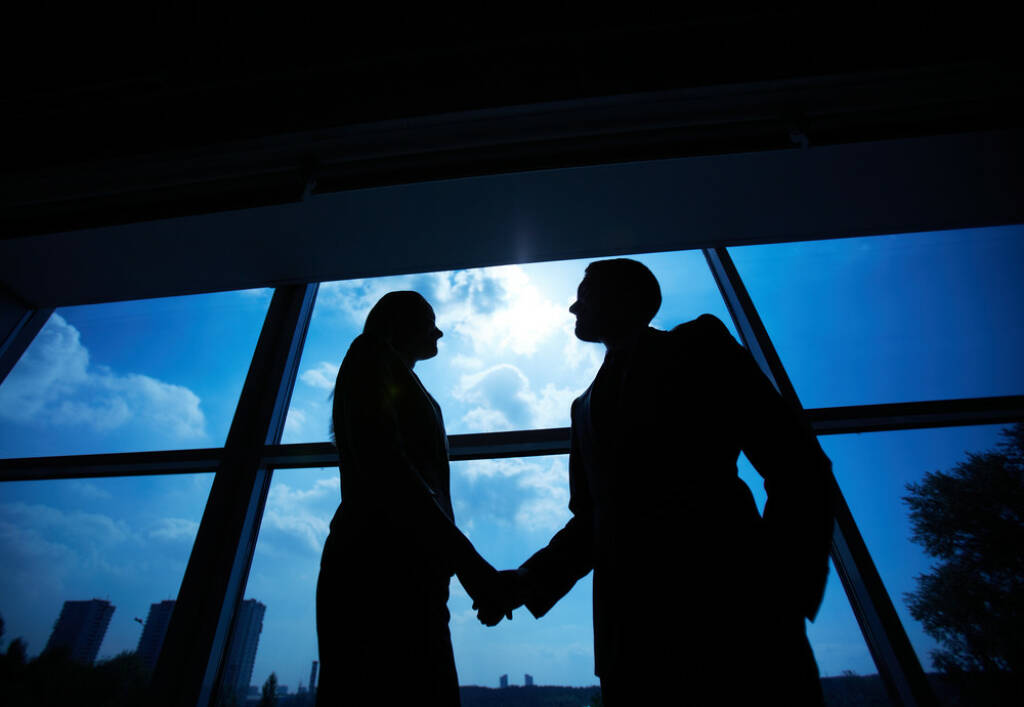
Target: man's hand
504,595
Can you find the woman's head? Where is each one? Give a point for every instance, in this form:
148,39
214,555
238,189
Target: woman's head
406,321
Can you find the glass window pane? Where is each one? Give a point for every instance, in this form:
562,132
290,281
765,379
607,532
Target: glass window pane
283,576
848,672
132,376
122,540
894,318
508,358
873,471
509,508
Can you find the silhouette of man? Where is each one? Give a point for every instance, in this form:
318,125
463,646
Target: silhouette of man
697,597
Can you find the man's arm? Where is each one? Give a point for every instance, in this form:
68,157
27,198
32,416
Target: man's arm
777,440
552,571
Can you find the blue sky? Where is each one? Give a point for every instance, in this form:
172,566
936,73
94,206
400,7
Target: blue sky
855,321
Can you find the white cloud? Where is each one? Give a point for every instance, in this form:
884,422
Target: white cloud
305,515
499,309
54,365
174,529
481,419
21,543
550,407
82,523
547,508
530,494
354,298
581,356
504,399
87,490
54,383
322,376
500,396
495,309
468,363
295,423
46,544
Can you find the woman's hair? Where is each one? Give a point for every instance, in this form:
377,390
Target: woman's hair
392,312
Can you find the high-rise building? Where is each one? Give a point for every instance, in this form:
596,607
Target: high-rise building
528,680
312,677
152,639
242,649
80,628
503,680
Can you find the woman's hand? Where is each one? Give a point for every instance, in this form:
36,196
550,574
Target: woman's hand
504,595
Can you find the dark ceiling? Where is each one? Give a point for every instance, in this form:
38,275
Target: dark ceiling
170,108
138,141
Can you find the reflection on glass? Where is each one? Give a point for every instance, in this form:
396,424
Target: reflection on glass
848,673
874,471
285,566
508,359
132,376
894,318
90,566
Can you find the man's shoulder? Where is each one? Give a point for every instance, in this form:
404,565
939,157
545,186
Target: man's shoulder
704,327
578,400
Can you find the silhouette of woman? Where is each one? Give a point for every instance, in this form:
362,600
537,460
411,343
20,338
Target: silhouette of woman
382,616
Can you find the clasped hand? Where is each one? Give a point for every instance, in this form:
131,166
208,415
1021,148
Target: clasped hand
498,597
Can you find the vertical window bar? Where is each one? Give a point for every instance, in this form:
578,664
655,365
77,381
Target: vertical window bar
886,638
189,666
19,325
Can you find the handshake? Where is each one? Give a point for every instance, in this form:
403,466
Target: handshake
495,594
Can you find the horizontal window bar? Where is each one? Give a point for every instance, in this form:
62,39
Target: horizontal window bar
917,415
519,443
185,461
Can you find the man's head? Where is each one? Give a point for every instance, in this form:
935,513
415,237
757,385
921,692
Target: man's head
406,321
616,298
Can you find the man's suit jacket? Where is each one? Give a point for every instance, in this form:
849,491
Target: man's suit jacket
655,497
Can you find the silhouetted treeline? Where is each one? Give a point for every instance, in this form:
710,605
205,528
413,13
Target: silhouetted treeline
965,690
841,691
533,696
54,680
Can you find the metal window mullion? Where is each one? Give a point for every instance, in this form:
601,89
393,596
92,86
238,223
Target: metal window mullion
922,414
918,415
884,634
189,665
14,342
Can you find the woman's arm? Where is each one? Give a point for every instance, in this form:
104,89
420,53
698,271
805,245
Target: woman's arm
370,436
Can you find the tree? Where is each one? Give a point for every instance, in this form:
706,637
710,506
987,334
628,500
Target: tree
269,698
971,520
